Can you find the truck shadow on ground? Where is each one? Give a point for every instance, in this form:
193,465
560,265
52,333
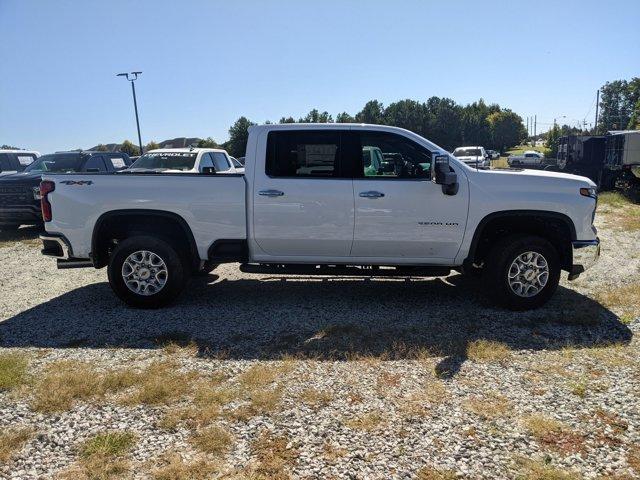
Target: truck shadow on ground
323,318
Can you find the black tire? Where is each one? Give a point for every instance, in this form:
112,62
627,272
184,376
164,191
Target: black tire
176,267
499,261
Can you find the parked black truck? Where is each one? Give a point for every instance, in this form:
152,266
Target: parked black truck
20,192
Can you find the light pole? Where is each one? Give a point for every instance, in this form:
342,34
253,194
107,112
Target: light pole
132,79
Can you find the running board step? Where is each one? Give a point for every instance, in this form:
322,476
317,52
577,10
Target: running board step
344,270
73,263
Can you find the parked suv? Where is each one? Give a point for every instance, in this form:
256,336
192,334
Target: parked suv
20,192
474,156
14,161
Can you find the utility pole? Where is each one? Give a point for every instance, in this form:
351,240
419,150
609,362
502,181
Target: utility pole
134,77
535,125
528,133
595,125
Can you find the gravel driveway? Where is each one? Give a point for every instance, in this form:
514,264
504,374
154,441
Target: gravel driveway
392,378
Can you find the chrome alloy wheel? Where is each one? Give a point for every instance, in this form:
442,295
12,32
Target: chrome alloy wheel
528,274
144,273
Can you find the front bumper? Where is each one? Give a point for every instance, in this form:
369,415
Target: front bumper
585,254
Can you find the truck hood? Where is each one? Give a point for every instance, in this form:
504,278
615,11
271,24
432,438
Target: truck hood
22,178
471,159
536,182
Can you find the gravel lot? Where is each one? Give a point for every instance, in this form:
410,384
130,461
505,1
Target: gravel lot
373,378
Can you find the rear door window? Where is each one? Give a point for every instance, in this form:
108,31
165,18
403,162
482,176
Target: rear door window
220,162
95,163
311,154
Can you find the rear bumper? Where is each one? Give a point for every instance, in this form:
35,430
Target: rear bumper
585,254
58,247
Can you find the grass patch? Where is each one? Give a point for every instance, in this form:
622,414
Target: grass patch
431,473
553,433
487,351
64,382
489,408
367,422
212,440
537,470
173,467
13,370
273,456
109,444
261,402
621,212
624,299
97,468
162,383
12,440
259,376
520,149
315,398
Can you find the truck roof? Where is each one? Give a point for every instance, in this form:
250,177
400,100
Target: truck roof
345,126
186,150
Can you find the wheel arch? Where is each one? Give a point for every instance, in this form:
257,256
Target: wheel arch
556,227
149,221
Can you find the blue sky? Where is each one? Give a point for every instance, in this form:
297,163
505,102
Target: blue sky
206,63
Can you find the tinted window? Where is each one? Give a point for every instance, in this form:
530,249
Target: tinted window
166,161
94,163
220,162
206,161
388,155
303,154
5,162
56,162
467,152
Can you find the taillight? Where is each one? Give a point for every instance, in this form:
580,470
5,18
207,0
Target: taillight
46,187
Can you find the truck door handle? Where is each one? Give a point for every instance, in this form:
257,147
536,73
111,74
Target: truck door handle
371,194
271,193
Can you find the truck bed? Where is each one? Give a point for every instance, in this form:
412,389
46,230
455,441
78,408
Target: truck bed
214,206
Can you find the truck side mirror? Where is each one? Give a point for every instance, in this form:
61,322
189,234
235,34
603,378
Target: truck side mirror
443,174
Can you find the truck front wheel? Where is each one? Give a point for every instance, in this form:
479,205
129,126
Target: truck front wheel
522,272
146,272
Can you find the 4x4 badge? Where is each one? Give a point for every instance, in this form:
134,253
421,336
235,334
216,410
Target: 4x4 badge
77,182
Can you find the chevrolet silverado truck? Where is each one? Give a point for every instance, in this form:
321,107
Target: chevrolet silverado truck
310,204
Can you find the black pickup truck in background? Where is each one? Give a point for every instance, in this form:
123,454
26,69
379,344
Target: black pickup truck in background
20,192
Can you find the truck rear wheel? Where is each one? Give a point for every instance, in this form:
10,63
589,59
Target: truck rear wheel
522,272
146,272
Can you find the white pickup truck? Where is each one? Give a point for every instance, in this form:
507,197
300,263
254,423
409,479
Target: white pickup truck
310,203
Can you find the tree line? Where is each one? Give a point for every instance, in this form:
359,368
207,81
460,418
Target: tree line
441,120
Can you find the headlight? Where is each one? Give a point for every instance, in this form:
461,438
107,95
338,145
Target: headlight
589,192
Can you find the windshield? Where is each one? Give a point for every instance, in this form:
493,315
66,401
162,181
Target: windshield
166,161
57,162
467,152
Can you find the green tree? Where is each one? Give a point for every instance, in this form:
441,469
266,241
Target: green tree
444,122
618,100
475,126
9,147
207,143
372,112
344,117
507,129
408,114
238,136
552,139
151,146
314,116
287,120
101,148
129,148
